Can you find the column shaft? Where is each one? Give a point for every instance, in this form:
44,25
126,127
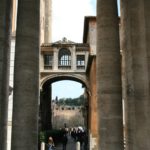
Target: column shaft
46,112
26,77
14,16
5,36
147,26
48,22
109,91
134,45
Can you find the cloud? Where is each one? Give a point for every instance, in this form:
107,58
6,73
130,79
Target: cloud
68,18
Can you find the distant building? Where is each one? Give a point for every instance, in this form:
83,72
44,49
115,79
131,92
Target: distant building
71,115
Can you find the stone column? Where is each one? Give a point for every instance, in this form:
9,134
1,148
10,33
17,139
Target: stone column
5,36
14,16
42,146
48,21
93,105
109,91
26,77
147,25
46,112
135,46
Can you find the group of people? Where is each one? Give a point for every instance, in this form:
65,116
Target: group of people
51,145
78,134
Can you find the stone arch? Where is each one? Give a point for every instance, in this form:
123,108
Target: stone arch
55,77
45,95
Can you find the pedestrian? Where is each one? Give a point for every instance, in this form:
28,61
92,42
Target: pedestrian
64,140
85,140
80,137
51,144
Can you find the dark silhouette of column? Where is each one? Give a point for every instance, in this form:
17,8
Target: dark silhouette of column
135,33
26,77
109,90
45,107
5,36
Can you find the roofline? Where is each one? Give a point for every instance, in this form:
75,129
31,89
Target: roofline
86,26
64,45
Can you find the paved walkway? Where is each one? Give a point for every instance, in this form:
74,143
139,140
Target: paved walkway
71,145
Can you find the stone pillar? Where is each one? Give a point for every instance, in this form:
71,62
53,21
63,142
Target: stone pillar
147,25
46,112
42,146
26,77
14,16
48,21
5,36
77,145
135,46
109,91
92,96
55,59
74,59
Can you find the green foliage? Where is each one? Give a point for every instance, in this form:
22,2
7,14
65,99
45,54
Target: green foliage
56,134
80,101
42,136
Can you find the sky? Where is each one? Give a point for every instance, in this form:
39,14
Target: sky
67,21
67,89
68,18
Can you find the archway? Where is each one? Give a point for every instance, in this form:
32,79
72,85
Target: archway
68,104
46,101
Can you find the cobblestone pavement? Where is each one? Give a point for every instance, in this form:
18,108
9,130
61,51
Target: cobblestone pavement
71,145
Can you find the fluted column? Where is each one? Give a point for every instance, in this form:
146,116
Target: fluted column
14,16
26,77
135,46
5,33
147,22
48,21
109,93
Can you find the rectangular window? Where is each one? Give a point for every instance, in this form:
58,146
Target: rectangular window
48,61
80,61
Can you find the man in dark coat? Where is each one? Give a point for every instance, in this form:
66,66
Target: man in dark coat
64,141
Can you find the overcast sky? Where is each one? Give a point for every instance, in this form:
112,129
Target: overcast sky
68,20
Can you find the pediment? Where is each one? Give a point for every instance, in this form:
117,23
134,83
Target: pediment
64,41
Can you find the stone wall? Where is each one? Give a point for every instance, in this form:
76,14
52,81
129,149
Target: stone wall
71,115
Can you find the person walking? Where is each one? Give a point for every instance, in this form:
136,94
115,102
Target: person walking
51,144
64,140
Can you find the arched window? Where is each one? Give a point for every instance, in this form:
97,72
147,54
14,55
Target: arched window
64,59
